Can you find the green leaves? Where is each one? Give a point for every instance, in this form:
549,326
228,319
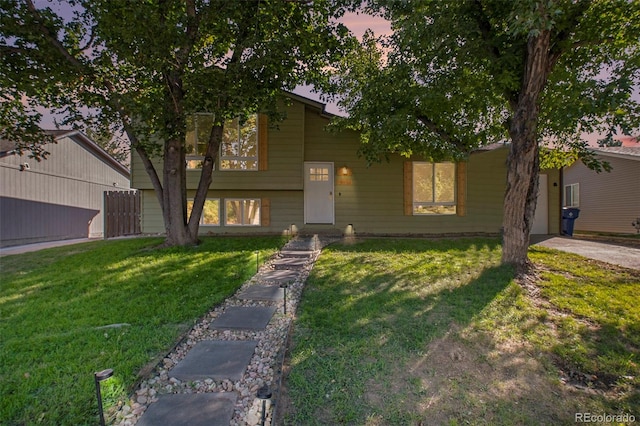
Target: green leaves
448,78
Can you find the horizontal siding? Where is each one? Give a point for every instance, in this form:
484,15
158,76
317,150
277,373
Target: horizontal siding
284,168
71,176
373,202
609,202
371,199
286,208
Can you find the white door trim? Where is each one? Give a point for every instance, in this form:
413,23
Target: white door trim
319,199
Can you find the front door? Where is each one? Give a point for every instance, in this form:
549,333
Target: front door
318,193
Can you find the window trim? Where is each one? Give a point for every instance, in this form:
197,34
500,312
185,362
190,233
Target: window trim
238,158
187,157
226,212
461,186
202,215
575,195
453,203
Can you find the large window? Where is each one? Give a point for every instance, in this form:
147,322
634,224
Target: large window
198,130
242,212
434,188
239,147
572,195
239,150
210,212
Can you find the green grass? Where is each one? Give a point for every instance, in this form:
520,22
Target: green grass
601,334
411,332
54,303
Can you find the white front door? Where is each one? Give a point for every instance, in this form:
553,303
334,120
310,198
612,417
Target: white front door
318,193
540,223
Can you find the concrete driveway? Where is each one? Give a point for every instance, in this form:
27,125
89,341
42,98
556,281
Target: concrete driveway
40,246
613,253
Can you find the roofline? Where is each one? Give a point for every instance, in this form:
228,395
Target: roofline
93,147
617,155
320,106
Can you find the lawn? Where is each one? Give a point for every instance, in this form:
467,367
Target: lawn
418,332
68,312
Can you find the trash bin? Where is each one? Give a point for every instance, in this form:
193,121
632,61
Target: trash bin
569,215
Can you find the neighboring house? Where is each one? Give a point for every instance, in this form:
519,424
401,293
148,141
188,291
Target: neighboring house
300,177
57,198
608,202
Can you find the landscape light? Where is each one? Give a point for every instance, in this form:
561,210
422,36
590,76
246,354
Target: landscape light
98,377
264,393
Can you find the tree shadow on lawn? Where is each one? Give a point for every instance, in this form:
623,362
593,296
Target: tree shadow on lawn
50,312
364,323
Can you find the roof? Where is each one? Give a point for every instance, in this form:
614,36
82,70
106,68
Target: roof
321,107
92,147
628,152
8,148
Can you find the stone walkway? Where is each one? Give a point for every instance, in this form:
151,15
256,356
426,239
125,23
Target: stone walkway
214,376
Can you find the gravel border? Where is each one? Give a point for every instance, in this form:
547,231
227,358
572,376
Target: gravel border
265,367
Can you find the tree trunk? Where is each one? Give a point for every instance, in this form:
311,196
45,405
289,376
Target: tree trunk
523,166
206,176
175,196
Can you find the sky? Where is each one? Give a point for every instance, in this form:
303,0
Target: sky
358,24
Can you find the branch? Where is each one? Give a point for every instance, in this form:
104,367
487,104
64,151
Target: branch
193,24
442,133
51,38
485,30
556,49
92,37
8,50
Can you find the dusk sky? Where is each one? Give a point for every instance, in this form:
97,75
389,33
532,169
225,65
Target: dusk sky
358,24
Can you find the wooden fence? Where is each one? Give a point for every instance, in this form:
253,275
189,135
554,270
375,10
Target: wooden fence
121,213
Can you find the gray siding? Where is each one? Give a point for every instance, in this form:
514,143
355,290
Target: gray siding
609,202
57,198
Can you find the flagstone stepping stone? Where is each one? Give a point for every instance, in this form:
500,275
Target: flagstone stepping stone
290,263
272,293
296,253
279,276
302,245
215,359
196,409
245,318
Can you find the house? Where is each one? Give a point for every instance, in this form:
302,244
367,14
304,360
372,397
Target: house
298,177
57,198
608,202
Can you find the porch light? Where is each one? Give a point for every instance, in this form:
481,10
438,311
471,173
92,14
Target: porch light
98,377
344,171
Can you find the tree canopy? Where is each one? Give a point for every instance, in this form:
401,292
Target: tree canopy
145,68
454,76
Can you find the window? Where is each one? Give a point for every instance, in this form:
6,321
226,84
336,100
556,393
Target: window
242,212
239,149
319,174
434,188
572,195
198,130
210,212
